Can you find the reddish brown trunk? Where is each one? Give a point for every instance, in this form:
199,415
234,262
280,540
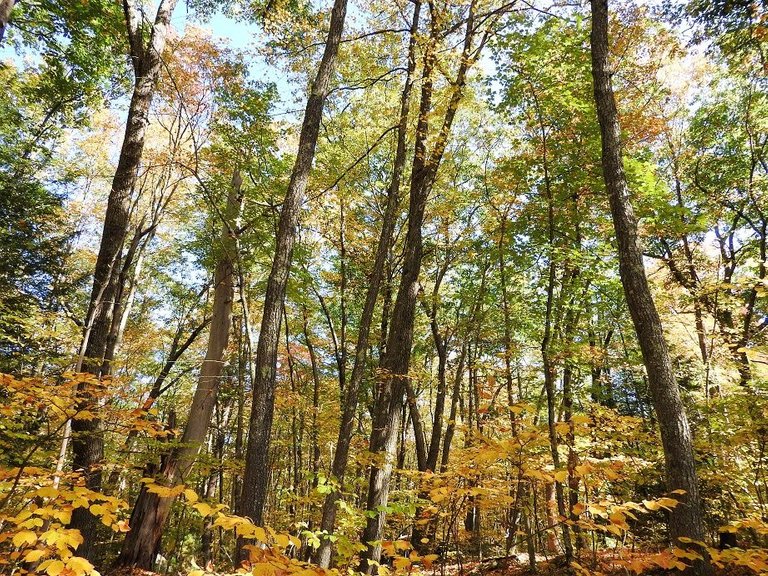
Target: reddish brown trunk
150,512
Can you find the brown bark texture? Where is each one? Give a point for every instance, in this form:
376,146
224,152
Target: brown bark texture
151,511
256,477
680,465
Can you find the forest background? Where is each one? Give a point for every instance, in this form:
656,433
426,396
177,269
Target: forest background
383,287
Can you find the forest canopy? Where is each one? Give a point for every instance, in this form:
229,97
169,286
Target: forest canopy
295,288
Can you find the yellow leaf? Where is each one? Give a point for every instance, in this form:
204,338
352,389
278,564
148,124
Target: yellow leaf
63,516
651,505
79,565
74,538
53,567
260,534
190,495
226,522
34,555
561,475
617,517
263,569
597,510
24,537
31,523
401,563
203,508
282,540
196,573
667,502
47,492
162,491
680,553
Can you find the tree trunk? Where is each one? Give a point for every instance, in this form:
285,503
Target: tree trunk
686,517
6,6
151,511
396,360
550,369
87,435
256,477
453,414
341,456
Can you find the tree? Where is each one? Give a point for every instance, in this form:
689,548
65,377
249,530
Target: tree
392,382
256,475
146,57
383,248
152,508
686,519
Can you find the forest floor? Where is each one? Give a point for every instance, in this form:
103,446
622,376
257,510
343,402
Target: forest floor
606,564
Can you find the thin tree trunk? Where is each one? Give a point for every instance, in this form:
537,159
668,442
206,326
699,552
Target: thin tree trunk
151,511
453,414
550,369
256,478
242,357
680,464
315,402
341,456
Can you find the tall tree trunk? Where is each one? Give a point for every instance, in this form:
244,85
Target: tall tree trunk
427,455
686,517
256,477
341,456
453,414
242,356
87,435
396,360
550,369
315,401
151,511
441,340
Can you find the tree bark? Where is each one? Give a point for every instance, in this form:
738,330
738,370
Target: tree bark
396,361
151,511
550,323
686,517
453,414
256,477
6,6
87,435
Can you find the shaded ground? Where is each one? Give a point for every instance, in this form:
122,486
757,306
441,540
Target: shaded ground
606,564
